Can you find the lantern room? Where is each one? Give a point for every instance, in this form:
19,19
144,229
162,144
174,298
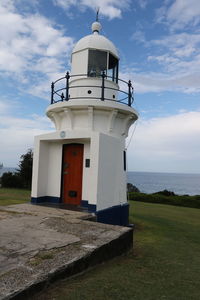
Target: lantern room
99,55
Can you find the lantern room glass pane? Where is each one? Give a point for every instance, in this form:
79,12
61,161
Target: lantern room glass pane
113,68
97,63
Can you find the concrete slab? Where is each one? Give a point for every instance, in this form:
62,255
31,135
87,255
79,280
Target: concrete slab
41,244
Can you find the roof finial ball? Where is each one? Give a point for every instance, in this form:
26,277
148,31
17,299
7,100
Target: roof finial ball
96,26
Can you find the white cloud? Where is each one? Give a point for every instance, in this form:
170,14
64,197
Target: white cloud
4,107
143,3
184,12
169,144
181,44
17,134
15,142
180,14
139,36
65,4
31,46
145,82
108,8
178,64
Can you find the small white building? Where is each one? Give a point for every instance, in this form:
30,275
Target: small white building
83,163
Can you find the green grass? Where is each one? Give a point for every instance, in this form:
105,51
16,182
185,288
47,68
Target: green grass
41,256
165,263
10,196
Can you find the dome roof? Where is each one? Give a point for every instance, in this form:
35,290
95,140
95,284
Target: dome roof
95,41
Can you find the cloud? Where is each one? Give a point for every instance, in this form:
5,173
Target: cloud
31,46
108,8
15,142
153,82
4,107
139,37
180,14
17,134
184,12
143,3
177,64
181,44
169,144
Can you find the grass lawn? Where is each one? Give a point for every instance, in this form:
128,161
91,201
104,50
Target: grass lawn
165,263
14,196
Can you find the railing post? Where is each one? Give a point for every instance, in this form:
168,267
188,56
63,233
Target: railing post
103,86
129,93
67,76
62,97
52,92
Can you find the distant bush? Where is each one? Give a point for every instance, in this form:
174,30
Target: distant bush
185,200
11,180
23,176
25,169
165,193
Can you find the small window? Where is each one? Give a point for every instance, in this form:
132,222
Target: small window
124,160
87,163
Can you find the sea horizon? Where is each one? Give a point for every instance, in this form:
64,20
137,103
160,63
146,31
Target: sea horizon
163,172
135,171
152,182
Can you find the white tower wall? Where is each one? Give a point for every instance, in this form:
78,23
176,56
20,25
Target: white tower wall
111,188
84,88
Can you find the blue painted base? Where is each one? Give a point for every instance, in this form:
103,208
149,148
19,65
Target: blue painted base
45,199
90,207
115,215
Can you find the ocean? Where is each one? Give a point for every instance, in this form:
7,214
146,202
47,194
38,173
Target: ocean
180,184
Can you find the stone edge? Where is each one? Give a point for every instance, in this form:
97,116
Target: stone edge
113,248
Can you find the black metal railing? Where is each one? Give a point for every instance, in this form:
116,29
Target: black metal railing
63,93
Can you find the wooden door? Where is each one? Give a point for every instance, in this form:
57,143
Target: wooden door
72,173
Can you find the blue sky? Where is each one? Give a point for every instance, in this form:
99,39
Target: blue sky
158,43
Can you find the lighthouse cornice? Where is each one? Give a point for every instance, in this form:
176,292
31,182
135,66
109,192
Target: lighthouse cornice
111,118
82,104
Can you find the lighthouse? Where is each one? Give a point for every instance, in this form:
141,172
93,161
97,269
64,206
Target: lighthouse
82,164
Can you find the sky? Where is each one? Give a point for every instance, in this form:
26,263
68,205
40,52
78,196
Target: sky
158,43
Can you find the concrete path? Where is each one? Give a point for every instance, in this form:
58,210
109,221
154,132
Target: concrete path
41,244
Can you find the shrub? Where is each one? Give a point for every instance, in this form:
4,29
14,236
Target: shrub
165,193
22,178
11,180
25,169
185,200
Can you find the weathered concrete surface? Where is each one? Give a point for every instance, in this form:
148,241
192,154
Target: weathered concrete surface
40,244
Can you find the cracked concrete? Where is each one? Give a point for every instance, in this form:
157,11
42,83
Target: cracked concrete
41,244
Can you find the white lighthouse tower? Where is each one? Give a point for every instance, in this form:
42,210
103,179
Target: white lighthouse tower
83,163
